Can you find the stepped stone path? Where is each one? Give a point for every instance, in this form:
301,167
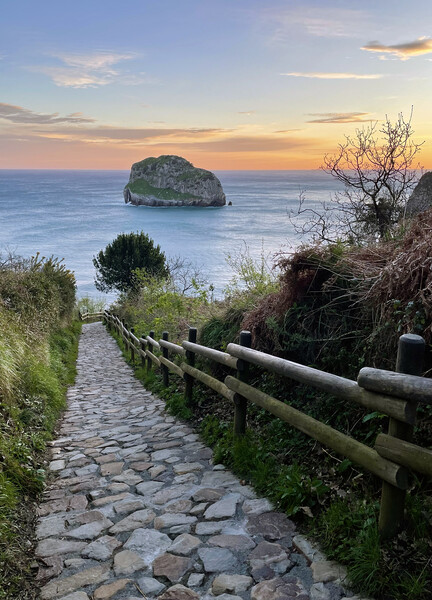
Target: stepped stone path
137,509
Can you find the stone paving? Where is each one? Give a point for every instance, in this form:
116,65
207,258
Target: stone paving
137,509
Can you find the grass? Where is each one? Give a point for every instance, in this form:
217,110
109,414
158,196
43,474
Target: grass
32,413
142,187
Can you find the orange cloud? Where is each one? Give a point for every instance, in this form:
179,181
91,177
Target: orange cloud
405,51
335,118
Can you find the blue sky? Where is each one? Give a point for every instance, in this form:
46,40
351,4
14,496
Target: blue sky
227,84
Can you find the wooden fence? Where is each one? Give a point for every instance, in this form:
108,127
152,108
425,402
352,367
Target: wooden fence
395,394
89,316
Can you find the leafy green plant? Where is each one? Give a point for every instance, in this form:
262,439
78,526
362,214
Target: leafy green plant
116,264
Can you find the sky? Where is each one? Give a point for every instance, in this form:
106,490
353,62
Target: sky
227,84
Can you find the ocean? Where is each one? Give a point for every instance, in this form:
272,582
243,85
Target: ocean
74,214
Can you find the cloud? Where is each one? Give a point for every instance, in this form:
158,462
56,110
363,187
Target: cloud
321,22
333,75
405,51
250,143
20,115
59,133
351,117
247,113
286,130
107,134
91,70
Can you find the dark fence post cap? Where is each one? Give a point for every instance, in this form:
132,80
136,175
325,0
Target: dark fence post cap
412,339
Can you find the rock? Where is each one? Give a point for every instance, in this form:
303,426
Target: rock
279,589
156,471
183,468
231,583
226,507
54,566
171,566
77,502
319,592
127,562
111,499
170,519
134,521
212,527
198,509
208,495
257,507
149,544
217,559
53,547
57,465
88,531
235,542
149,585
170,493
311,551
184,544
261,573
179,592
149,487
172,181
59,587
76,596
50,526
265,554
218,479
271,525
179,506
327,570
195,579
114,468
421,198
102,548
128,506
110,589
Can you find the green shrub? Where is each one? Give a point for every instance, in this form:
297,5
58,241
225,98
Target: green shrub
38,347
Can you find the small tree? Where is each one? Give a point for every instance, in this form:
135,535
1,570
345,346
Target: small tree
116,264
376,168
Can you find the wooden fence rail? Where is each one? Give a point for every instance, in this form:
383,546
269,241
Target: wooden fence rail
87,315
393,394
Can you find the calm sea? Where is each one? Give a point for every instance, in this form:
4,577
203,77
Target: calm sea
74,214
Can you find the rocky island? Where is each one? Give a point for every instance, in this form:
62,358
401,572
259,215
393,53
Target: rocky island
172,181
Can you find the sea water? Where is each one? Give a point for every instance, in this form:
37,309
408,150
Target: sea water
74,214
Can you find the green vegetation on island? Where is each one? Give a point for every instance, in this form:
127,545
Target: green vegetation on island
143,188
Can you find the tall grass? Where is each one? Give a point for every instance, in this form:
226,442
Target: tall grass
38,346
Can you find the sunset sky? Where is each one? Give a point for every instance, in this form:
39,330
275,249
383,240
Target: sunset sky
228,84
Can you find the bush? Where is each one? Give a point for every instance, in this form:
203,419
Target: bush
37,358
116,265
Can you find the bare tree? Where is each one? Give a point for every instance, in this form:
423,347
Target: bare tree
377,169
185,275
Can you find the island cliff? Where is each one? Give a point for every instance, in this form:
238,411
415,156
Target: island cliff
172,181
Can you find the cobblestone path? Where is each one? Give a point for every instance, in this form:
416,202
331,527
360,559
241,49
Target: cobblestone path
138,510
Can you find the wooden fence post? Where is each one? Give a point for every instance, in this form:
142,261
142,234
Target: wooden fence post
409,361
143,347
240,403
189,380
165,372
149,360
125,335
132,351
